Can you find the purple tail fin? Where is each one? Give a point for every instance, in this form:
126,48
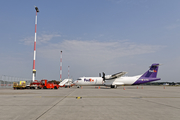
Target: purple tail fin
152,72
148,76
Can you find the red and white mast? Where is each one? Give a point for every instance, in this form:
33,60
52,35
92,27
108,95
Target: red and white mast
34,70
61,68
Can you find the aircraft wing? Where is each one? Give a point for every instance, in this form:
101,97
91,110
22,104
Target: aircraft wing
110,77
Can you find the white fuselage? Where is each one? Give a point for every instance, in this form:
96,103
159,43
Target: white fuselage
122,81
89,81
98,81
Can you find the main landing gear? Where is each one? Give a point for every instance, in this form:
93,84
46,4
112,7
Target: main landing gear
113,86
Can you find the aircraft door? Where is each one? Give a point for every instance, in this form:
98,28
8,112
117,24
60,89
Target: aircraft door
96,81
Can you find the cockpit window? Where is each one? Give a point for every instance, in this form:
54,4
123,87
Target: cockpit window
79,79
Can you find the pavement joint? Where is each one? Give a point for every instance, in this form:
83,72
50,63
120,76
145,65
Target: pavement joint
54,105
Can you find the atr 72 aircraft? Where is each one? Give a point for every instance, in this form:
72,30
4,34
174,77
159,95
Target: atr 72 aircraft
117,80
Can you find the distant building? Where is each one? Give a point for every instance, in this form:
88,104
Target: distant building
166,84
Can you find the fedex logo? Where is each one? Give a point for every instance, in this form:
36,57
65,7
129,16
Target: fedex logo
88,80
152,71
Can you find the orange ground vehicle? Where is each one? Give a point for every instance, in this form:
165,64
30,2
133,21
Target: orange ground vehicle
43,84
48,85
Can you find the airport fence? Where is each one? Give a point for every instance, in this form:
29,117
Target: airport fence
7,81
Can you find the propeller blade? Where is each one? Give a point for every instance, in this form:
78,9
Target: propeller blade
103,76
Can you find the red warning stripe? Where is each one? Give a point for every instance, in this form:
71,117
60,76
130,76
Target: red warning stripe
34,45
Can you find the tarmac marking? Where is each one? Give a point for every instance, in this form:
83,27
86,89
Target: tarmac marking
16,93
78,97
107,97
95,97
54,105
147,100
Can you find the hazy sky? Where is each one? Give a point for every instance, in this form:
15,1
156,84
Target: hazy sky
95,36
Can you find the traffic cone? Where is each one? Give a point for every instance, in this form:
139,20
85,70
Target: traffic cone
142,87
124,88
99,87
137,87
81,87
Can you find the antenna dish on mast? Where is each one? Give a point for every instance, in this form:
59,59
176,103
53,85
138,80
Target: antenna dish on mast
36,8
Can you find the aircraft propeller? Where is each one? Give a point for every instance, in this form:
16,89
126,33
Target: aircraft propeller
103,76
